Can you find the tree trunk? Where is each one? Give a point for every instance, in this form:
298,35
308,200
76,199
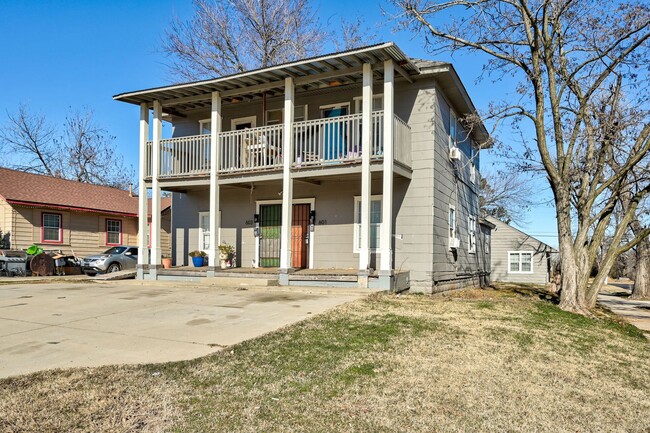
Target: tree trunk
572,295
641,288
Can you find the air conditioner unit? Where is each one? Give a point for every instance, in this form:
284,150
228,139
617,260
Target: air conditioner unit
454,243
454,153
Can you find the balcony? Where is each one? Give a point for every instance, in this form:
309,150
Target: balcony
317,143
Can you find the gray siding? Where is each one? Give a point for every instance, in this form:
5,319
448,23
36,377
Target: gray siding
452,186
506,238
421,204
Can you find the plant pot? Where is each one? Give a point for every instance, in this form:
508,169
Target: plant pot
167,263
197,262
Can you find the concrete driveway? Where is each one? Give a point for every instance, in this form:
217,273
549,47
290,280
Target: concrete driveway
83,324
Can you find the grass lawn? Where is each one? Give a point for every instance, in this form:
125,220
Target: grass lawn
477,360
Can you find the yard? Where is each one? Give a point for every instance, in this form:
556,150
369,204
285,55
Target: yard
478,360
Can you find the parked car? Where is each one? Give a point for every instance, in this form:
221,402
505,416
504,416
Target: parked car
112,260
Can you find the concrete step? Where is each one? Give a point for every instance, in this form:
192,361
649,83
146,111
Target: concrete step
119,275
222,281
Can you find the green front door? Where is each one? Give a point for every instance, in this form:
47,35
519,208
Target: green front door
270,226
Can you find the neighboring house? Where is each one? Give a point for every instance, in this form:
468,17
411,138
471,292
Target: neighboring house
353,160
58,214
518,257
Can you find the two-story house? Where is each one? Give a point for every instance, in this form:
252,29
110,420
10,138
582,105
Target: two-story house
353,160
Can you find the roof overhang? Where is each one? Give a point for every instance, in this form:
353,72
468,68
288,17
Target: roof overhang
455,91
68,208
324,71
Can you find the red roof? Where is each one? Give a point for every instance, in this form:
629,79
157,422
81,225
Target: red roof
36,190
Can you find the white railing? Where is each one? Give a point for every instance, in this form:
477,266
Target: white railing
251,149
317,142
334,140
182,156
402,142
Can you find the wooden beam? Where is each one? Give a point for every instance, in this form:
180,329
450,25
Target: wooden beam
402,72
310,181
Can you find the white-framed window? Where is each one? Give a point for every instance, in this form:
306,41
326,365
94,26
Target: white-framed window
205,126
520,262
243,123
275,117
204,231
375,222
472,172
113,232
377,103
486,242
471,235
453,121
452,221
52,231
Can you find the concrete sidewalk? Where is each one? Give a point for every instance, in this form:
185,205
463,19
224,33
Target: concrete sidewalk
80,324
615,296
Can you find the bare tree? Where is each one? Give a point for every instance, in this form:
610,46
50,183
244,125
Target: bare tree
87,153
30,141
506,197
84,152
230,36
564,54
352,34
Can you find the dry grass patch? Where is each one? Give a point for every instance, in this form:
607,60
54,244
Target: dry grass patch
477,360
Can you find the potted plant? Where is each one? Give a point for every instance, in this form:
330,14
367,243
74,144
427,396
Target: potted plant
167,262
226,251
197,258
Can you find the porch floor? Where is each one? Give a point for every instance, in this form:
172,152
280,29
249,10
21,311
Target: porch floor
266,271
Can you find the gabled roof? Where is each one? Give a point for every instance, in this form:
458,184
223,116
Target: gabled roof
35,190
498,222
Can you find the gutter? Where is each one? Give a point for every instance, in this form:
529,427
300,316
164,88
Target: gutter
71,208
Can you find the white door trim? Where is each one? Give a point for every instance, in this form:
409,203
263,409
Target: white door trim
310,201
238,121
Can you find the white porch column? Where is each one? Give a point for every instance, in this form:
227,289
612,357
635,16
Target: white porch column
366,146
143,212
155,190
215,130
386,235
287,181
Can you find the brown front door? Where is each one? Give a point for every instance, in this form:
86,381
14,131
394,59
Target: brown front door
300,236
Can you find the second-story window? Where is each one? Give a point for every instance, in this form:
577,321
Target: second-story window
452,129
204,126
452,222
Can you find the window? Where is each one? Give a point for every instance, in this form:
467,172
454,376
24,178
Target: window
486,243
274,117
520,262
471,224
205,126
204,232
375,223
113,232
452,222
452,129
377,103
52,228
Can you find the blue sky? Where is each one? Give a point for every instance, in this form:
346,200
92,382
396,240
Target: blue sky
59,55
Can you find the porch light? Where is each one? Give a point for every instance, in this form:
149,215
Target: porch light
335,83
236,100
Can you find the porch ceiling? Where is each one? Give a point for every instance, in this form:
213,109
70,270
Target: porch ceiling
329,70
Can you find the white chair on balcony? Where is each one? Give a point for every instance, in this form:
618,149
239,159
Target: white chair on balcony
259,152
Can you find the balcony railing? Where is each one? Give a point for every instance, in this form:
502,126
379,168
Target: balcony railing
318,142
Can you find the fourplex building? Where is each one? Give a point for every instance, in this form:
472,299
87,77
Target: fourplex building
353,160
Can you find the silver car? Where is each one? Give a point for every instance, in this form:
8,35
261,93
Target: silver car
112,260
